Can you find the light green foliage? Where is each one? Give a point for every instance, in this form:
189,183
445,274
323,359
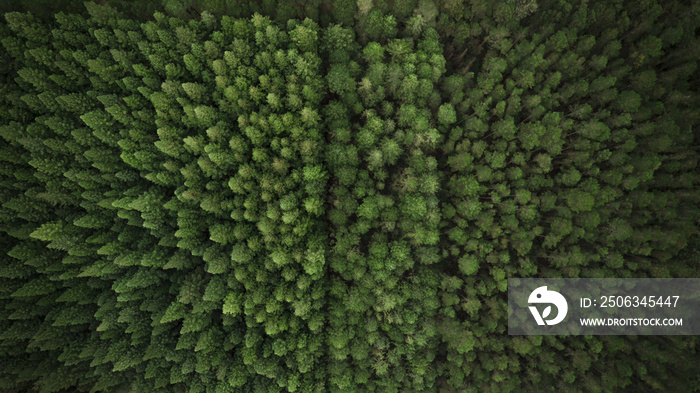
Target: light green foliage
446,114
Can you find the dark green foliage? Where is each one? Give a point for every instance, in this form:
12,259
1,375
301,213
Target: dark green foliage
323,195
567,157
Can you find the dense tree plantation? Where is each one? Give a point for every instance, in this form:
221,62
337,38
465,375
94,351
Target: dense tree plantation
329,196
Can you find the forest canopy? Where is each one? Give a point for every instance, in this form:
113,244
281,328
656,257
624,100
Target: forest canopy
329,196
